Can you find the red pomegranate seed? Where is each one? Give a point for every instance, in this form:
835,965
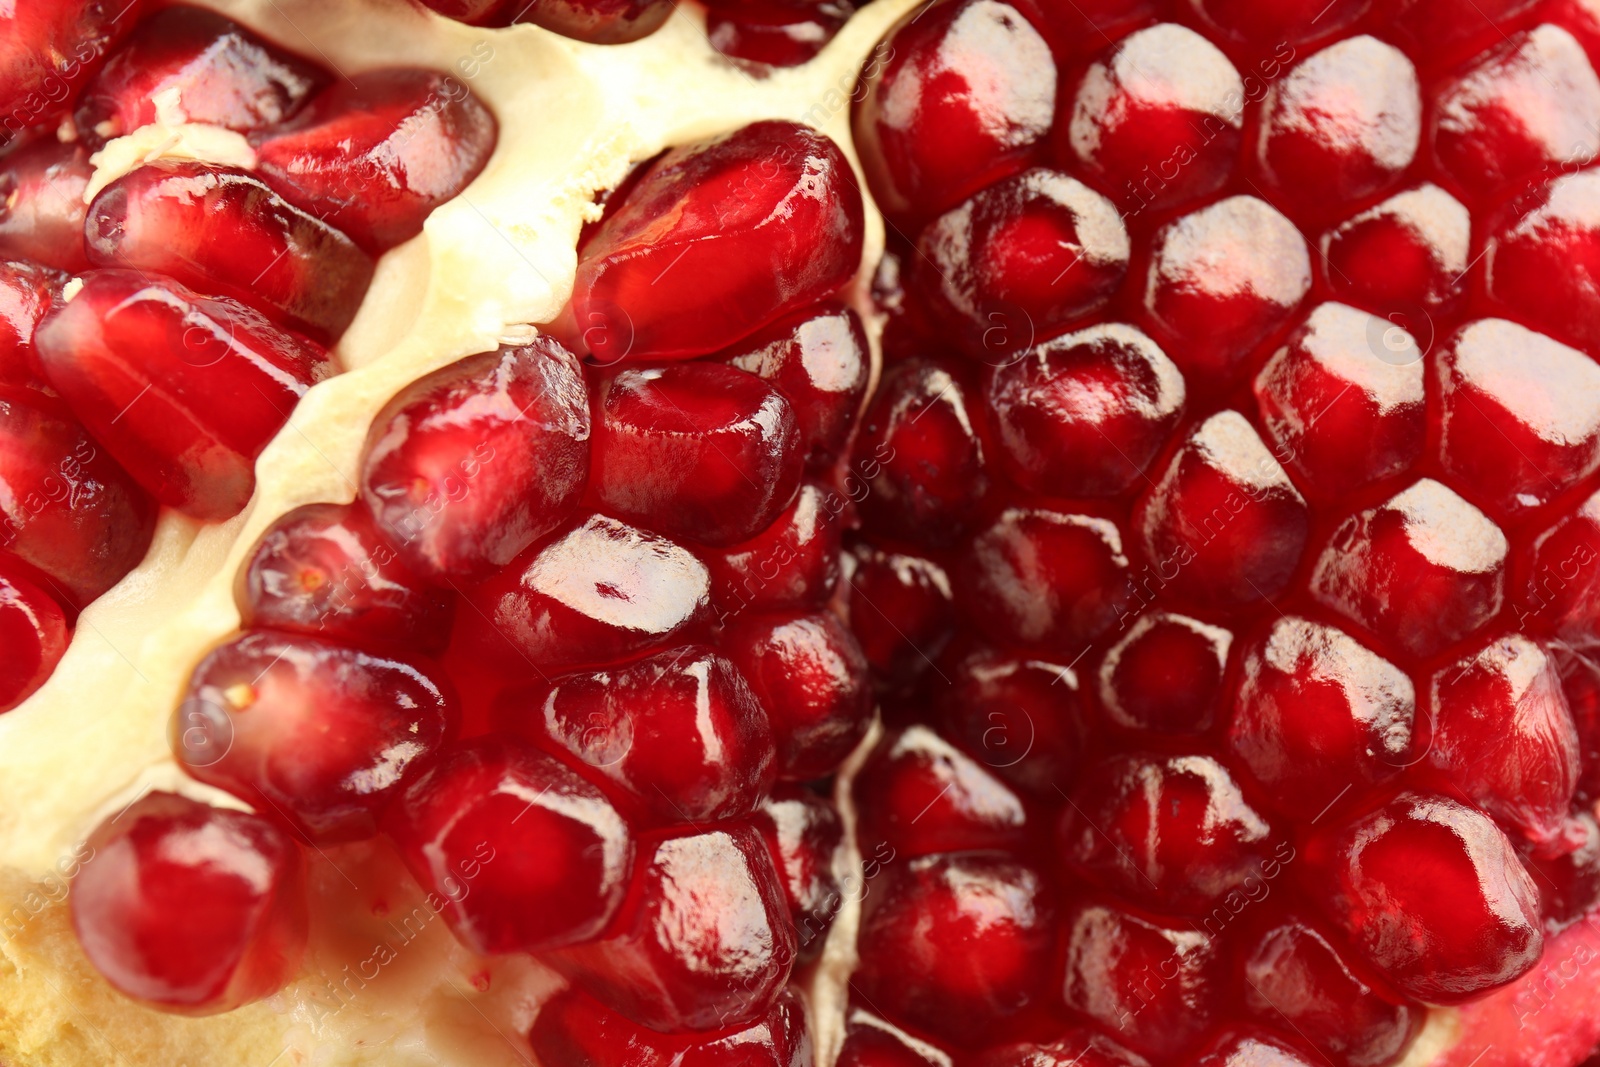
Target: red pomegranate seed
468,466
819,360
1015,715
774,35
901,611
48,49
184,390
1569,884
1297,980
1342,401
792,563
27,292
1174,832
1020,260
1084,414
33,630
811,676
224,74
372,155
1431,893
597,593
696,450
921,795
920,453
678,735
66,508
957,96
41,203
1542,255
573,1031
1406,255
1262,25
1503,734
323,570
1165,675
1156,121
1557,584
873,1042
1340,126
704,942
977,931
1422,570
755,224
1580,682
1440,32
1531,104
596,21
1317,714
804,833
1154,985
190,908
1080,1047
315,735
1222,524
1252,1049
222,231
1220,280
525,854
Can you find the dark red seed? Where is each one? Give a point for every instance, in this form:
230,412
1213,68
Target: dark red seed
48,48
1557,583
572,1030
596,21
1252,1049
33,631
1016,715
1405,255
901,611
1165,675
804,833
1541,259
1275,25
772,34
1569,884
873,1042
792,563
42,211
27,293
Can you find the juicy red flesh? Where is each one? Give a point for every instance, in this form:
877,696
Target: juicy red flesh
48,49
41,203
794,562
1013,714
901,611
597,21
575,1031
34,631
773,34
1164,676
804,832
27,293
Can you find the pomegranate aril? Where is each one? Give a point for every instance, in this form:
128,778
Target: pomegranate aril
1021,259
223,75
42,211
804,833
873,1042
525,854
1076,1048
33,631
696,450
678,735
1263,25
1017,716
1569,884
322,569
901,611
792,563
372,155
810,675
1223,524
1437,33
572,1030
1557,582
921,795
977,929
467,467
1405,256
1157,120
185,390
748,226
1165,675
27,293
1580,682
1421,570
1252,1049
772,35
704,941
596,21
1541,259
1431,893
66,508
224,232
48,49
189,908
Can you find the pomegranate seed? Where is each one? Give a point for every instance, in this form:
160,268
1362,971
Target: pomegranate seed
1236,1049
374,154
49,48
921,795
1405,255
1219,280
957,96
33,630
804,833
323,570
1569,884
66,508
1076,28
772,34
819,360
679,735
520,853
1430,892
184,390
1156,986
1296,978
704,942
901,611
190,908
1016,716
1165,675
1223,524
1021,258
319,736
224,74
696,450
1076,1048
1580,682
1422,570
223,231
1086,413
792,563
596,21
42,211
1559,583
811,676
468,466
755,223
1542,254
574,1031
976,929
1440,32
597,593
1175,832
873,1042
1275,24
1317,714
1156,120
27,292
